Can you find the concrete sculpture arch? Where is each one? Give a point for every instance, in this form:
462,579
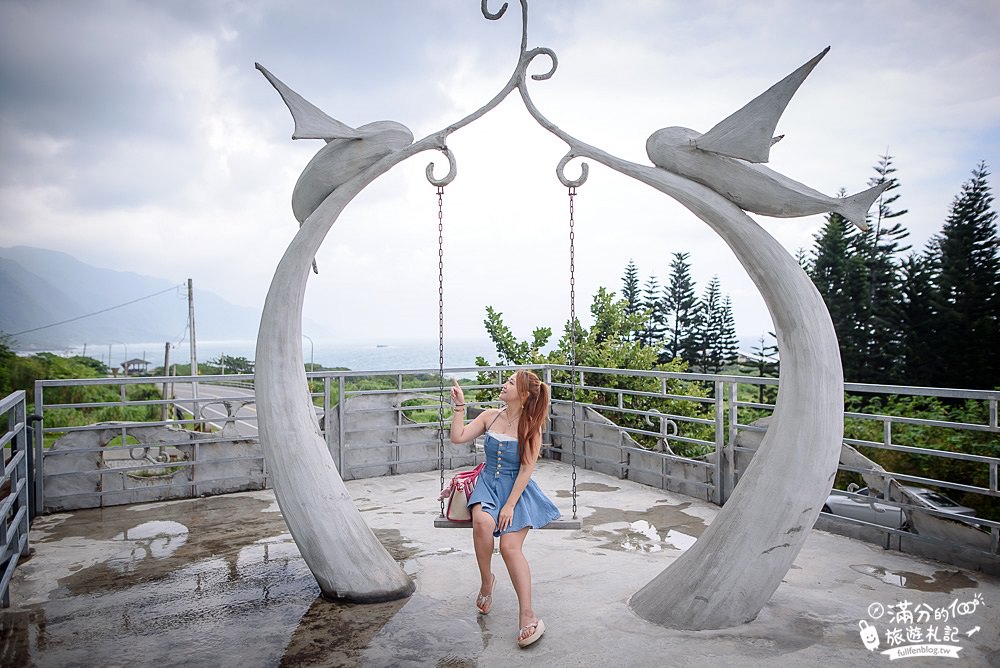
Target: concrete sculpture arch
733,569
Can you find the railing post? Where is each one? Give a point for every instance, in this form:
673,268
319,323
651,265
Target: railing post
20,417
35,476
720,442
394,450
341,414
326,411
727,459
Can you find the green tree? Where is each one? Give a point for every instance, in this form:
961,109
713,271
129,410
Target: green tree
630,289
763,363
918,331
716,336
840,277
232,364
680,307
7,358
879,313
509,349
610,344
654,325
968,282
728,341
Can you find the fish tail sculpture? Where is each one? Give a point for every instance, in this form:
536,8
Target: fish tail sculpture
855,207
727,159
343,553
348,151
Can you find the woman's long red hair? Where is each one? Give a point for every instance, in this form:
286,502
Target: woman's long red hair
534,395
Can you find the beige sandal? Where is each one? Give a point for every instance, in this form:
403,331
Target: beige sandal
539,627
485,601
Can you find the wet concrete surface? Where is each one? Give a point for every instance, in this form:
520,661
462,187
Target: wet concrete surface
219,582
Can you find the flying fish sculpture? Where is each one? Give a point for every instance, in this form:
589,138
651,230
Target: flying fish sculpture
348,151
726,159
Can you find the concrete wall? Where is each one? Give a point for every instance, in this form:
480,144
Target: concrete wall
934,537
82,471
603,446
379,440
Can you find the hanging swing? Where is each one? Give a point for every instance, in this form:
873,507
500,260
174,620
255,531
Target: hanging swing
442,522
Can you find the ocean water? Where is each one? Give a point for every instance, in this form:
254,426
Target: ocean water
374,356
391,355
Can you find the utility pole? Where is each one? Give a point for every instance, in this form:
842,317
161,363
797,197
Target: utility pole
166,372
194,353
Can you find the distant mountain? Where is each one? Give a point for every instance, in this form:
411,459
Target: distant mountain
40,287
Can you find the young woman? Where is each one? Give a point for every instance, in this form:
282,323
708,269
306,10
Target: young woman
506,501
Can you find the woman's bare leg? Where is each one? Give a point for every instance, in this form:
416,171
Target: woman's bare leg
520,575
482,540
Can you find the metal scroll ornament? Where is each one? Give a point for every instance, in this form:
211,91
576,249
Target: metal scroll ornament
728,575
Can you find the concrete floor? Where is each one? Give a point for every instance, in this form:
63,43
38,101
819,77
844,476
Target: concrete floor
218,582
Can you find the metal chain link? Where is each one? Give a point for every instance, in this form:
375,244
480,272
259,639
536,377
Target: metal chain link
572,336
440,196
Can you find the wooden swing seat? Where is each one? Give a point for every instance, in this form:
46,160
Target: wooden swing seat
444,523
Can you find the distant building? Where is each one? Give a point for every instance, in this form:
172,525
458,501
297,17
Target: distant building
136,367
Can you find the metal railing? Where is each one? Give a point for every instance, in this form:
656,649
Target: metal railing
679,431
14,488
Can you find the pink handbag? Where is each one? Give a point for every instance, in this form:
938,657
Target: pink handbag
458,492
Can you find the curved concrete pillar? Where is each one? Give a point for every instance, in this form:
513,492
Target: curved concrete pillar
730,573
340,549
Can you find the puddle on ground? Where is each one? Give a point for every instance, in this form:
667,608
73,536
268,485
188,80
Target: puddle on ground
160,539
152,542
395,544
394,633
586,487
164,599
940,581
657,528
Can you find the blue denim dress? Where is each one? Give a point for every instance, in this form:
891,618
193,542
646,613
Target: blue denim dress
495,482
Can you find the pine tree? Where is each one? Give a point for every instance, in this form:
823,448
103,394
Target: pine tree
840,278
857,273
879,314
630,289
709,357
728,341
655,324
680,306
920,356
763,362
968,282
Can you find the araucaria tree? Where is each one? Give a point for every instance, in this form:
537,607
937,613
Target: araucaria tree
968,281
879,249
858,275
930,318
654,324
630,289
716,331
681,308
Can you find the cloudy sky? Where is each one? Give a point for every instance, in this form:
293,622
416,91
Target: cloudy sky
138,136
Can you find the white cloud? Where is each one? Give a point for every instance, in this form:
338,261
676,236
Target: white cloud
142,139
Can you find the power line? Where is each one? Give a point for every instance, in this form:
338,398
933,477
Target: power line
88,315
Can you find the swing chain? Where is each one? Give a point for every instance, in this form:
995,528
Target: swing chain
573,332
440,202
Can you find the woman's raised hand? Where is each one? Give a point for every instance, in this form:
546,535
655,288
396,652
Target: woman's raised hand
457,394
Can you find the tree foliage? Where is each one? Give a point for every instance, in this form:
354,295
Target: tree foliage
608,343
968,281
230,364
681,307
763,363
630,289
716,331
924,319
